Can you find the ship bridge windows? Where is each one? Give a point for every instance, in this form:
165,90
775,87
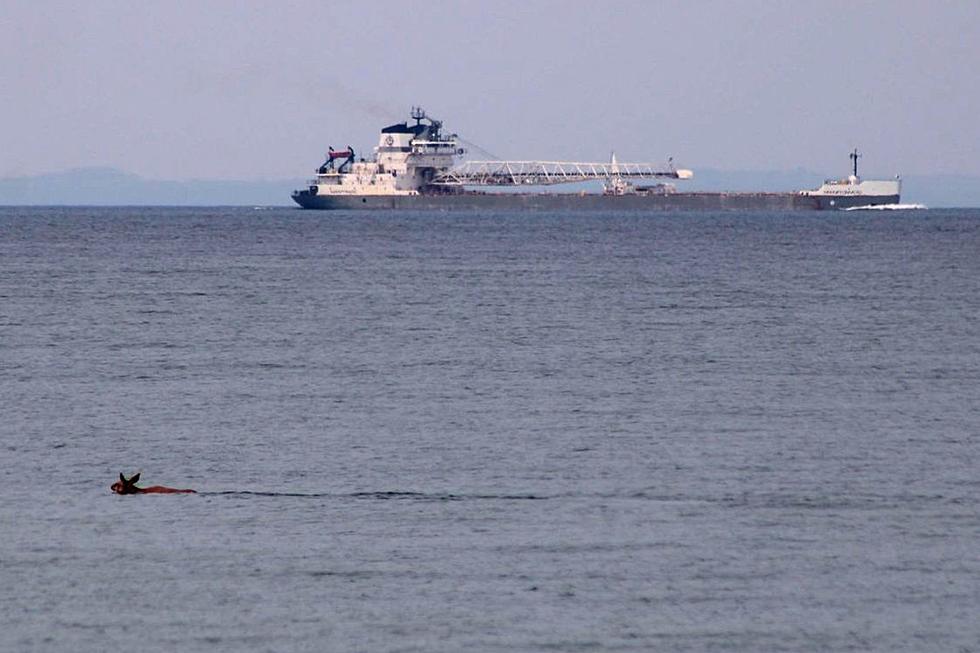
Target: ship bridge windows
404,128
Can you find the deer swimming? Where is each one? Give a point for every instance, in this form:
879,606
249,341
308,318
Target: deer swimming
128,486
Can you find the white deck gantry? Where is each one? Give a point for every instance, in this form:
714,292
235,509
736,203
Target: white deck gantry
544,173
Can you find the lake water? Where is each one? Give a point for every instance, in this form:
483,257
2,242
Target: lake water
490,432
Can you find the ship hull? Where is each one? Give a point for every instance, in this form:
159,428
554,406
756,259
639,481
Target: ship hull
589,202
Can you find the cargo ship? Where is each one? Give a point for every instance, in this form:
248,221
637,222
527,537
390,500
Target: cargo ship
415,166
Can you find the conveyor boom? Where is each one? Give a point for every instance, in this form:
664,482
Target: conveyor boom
542,173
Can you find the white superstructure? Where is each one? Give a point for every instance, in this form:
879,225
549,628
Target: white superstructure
855,186
406,158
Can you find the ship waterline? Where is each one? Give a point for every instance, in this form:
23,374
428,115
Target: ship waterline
690,201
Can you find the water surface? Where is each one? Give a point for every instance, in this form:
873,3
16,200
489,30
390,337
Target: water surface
489,432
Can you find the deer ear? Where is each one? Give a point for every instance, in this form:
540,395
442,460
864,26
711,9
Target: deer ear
135,478
121,477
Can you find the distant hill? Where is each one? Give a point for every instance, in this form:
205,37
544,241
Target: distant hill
110,187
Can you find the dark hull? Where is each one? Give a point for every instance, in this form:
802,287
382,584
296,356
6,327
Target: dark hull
589,202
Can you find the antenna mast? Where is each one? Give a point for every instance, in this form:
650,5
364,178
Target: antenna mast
854,156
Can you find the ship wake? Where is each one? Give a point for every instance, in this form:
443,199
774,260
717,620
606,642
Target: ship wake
887,207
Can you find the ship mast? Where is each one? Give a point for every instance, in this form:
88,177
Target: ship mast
854,156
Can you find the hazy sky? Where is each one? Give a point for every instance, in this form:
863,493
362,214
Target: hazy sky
249,90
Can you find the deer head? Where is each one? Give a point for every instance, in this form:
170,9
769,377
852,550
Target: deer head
124,486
